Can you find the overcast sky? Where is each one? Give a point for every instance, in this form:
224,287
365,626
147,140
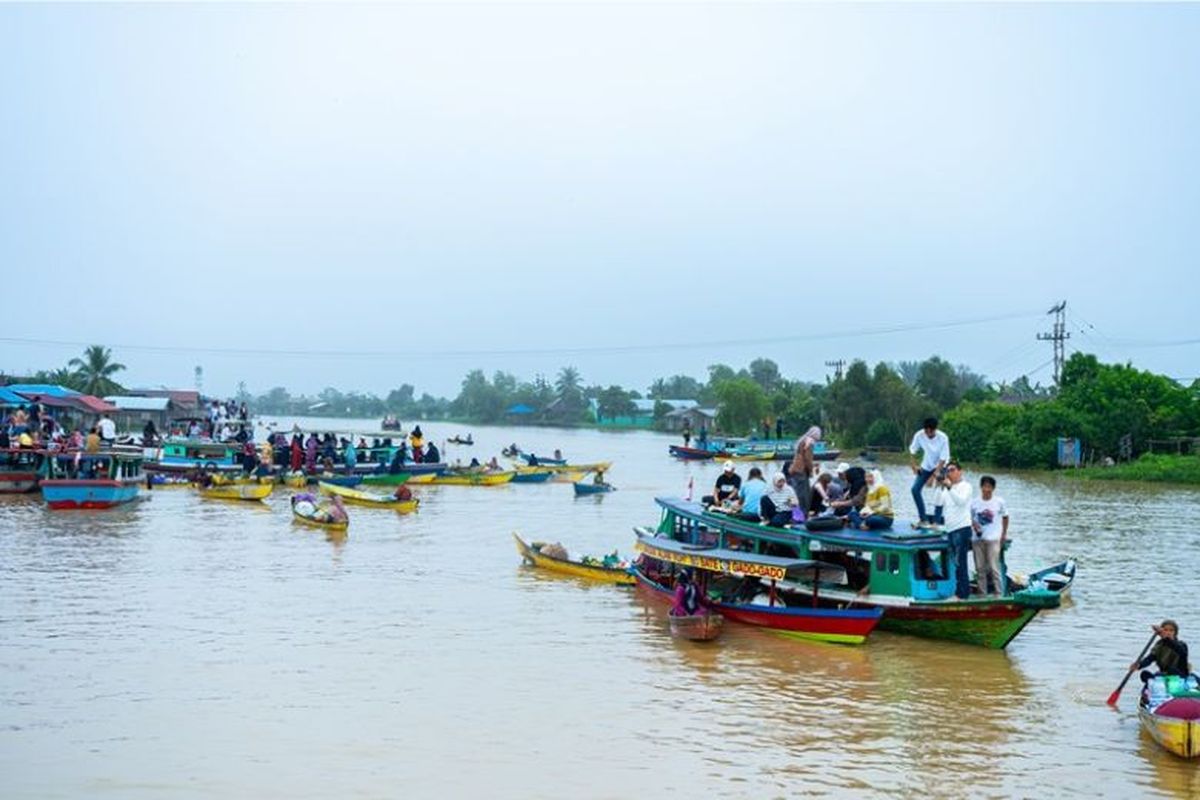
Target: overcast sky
516,187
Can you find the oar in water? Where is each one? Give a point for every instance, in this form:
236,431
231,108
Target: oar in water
1112,698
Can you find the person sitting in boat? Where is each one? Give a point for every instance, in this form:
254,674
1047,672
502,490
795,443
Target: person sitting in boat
1169,654
92,444
475,465
532,460
818,501
876,513
689,600
778,502
362,449
557,454
432,455
402,493
399,458
249,457
149,434
418,440
855,479
337,511
748,503
493,465
726,488
598,479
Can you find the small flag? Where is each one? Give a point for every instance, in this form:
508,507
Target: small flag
691,483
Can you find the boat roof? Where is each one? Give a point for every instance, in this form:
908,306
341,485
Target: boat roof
902,537
734,562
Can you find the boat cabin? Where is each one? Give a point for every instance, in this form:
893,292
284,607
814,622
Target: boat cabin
193,453
20,469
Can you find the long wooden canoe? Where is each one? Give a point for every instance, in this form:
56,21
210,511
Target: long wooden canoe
238,491
360,498
697,627
474,478
533,556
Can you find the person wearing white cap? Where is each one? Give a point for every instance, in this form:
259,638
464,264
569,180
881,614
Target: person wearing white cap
726,488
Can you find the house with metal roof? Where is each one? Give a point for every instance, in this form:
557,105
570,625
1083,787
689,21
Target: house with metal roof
134,412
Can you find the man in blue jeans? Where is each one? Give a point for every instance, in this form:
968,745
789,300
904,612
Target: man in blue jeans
958,526
934,446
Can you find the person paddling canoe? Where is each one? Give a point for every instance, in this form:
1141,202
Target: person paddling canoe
1169,654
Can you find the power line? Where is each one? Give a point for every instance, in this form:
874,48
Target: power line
1058,336
540,351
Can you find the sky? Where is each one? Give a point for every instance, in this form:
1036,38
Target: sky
363,196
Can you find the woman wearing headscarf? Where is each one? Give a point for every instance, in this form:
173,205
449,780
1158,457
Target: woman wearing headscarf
876,514
800,470
855,479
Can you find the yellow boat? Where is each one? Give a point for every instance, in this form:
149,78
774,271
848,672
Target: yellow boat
360,498
312,522
599,466
594,572
474,478
296,480
424,478
238,491
1174,724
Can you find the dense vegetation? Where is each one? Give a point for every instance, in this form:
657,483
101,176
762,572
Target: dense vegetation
1115,410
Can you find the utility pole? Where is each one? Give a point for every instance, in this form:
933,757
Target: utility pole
837,368
1058,336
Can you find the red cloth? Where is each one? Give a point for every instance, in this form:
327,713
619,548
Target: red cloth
1180,708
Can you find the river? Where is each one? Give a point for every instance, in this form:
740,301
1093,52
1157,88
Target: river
179,648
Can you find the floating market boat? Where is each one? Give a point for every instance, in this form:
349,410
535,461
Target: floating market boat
466,478
92,480
237,491
582,488
534,460
1169,710
735,589
410,472
909,575
468,441
532,475
306,511
695,453
360,498
21,469
1057,579
598,571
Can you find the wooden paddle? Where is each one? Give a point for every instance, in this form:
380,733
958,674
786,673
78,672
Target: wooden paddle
1112,698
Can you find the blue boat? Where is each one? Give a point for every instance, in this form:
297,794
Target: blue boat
92,480
181,454
534,476
593,488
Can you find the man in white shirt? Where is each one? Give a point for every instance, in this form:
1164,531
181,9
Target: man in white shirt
958,526
934,446
107,429
989,520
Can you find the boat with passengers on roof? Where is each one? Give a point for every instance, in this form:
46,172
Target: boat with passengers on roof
104,479
906,575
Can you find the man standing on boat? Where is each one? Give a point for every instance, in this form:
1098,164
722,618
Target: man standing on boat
958,526
800,471
934,446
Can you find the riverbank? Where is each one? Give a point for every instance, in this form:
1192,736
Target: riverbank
1151,467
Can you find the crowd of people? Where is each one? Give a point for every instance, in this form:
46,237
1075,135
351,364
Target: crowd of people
851,496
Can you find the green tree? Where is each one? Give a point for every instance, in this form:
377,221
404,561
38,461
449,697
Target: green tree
95,370
742,404
939,382
615,402
765,373
677,387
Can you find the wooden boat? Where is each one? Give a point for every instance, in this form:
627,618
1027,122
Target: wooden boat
1172,716
582,488
360,498
532,475
410,471
458,440
338,480
474,478
695,453
166,480
1057,578
908,575
594,572
542,461
569,476
238,491
296,480
734,569
21,469
697,627
92,480
313,519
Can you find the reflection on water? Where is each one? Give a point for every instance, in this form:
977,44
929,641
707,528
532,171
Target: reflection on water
191,647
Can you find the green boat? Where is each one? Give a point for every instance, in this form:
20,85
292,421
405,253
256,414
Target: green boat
386,479
910,575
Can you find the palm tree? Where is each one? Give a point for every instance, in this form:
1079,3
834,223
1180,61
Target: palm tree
95,371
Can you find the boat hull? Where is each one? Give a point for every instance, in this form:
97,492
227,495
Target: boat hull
990,624
697,627
533,476
619,577
62,495
694,453
18,482
1179,736
368,500
474,479
313,523
843,626
592,488
239,491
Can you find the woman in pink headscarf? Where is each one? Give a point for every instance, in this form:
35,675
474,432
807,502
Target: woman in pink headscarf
800,471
